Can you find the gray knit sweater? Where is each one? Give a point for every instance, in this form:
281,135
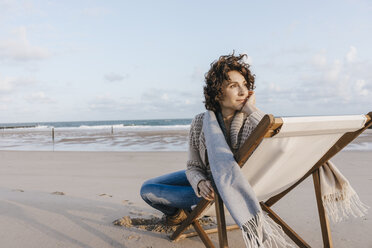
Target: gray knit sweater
197,165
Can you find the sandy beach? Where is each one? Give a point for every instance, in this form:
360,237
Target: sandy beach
144,138
70,199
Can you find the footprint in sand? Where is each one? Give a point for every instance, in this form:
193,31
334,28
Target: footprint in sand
134,237
18,190
58,193
125,221
127,202
105,195
138,213
153,224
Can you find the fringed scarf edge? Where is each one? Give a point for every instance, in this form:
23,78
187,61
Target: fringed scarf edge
262,231
342,204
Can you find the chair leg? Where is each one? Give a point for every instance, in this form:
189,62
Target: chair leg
209,231
324,223
203,204
287,229
221,221
203,236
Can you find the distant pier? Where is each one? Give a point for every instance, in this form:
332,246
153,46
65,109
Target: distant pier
12,127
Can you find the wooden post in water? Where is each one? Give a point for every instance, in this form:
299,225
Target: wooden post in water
53,134
112,130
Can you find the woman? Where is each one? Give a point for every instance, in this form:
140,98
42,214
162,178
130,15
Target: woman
228,93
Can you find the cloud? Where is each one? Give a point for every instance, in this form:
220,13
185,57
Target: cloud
338,85
319,60
153,103
109,103
292,27
18,8
103,102
361,88
11,84
164,97
39,97
6,85
4,102
18,48
351,55
248,59
114,77
171,100
6,4
198,74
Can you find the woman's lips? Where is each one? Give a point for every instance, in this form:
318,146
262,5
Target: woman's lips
243,100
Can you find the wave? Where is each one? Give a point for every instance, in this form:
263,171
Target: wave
41,127
98,127
84,128
364,146
133,127
170,127
109,127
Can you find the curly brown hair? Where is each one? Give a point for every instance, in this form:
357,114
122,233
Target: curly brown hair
217,74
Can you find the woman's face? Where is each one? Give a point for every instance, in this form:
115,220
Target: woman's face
235,92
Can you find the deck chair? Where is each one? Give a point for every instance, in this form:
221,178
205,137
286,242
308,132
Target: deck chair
292,149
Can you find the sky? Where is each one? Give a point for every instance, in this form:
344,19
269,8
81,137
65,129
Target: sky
125,60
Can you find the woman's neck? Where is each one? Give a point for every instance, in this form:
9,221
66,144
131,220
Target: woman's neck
227,113
227,119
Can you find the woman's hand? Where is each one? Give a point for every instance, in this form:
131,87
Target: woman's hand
206,190
250,105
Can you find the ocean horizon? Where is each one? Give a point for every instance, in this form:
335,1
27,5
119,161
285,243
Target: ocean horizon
100,124
112,135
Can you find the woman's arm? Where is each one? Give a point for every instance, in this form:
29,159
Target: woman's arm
196,169
196,174
254,114
254,117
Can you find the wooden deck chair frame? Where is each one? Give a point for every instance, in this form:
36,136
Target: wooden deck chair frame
268,127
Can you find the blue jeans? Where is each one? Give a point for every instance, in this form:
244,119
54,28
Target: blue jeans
169,193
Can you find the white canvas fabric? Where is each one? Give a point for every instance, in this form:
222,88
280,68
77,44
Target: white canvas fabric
316,125
282,160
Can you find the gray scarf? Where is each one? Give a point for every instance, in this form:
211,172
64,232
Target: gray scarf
257,228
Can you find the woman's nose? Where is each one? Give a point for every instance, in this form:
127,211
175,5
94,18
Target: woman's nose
243,90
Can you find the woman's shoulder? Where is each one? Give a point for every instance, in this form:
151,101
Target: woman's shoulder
198,118
197,123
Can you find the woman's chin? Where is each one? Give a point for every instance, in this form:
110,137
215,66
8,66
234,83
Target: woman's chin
240,106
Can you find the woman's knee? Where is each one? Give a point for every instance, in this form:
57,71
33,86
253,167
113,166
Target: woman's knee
148,191
149,181
144,190
148,187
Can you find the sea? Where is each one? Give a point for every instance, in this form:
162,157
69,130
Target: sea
113,135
